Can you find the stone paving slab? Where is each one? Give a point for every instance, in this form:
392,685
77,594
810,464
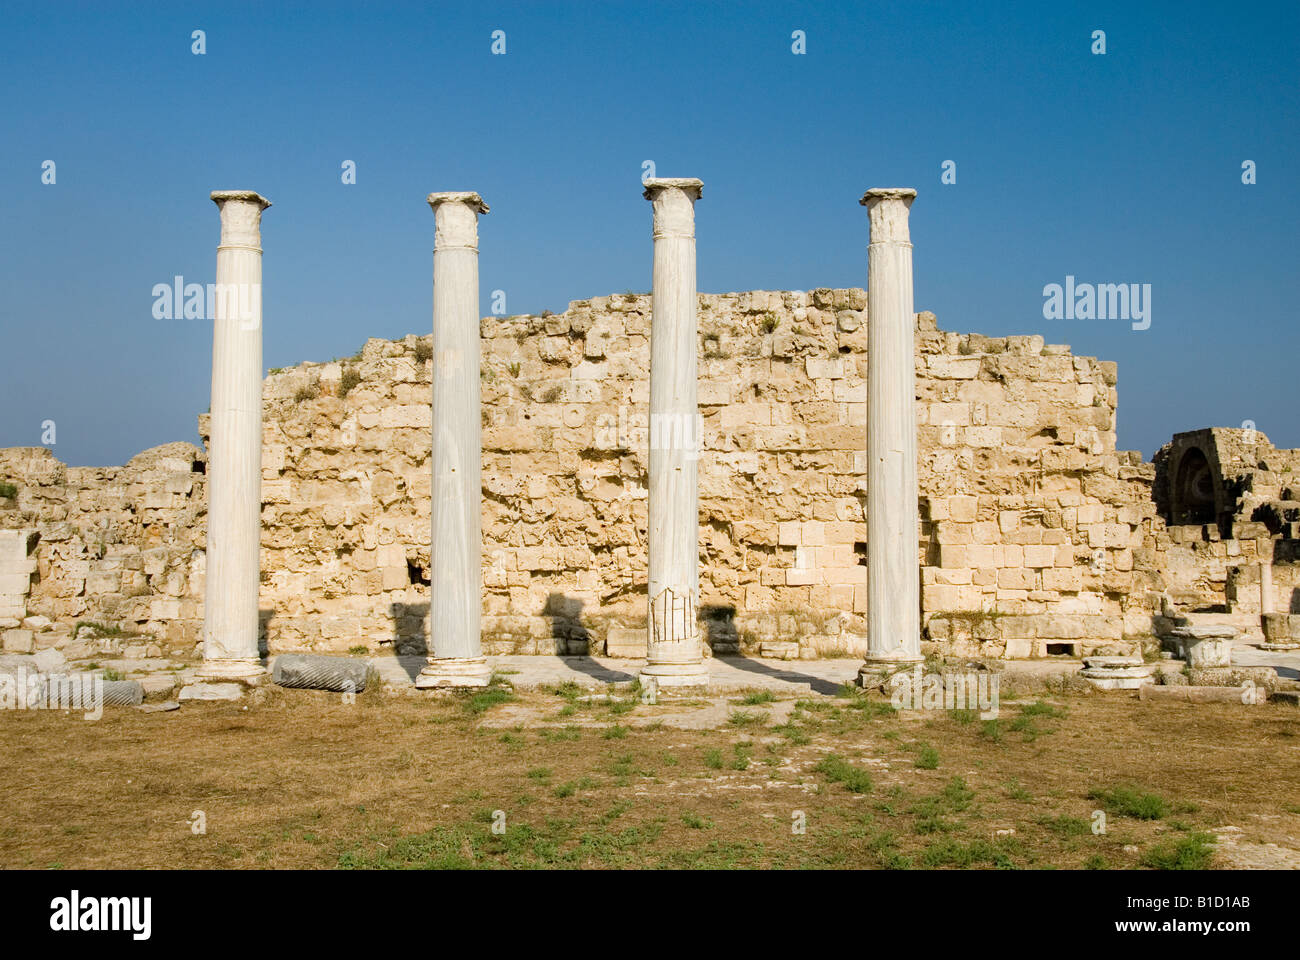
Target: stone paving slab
1285,662
730,673
791,677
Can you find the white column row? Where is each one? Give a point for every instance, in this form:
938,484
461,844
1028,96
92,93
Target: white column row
675,651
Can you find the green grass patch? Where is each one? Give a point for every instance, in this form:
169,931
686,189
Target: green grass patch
794,733
950,852
928,758
1128,802
742,756
1014,791
1192,852
838,770
1067,826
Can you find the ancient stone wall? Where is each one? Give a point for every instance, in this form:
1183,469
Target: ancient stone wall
1037,535
1232,502
116,546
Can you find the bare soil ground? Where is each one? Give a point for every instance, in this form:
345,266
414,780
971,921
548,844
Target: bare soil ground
554,778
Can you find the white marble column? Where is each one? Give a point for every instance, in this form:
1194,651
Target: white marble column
230,621
1265,587
893,528
675,656
455,553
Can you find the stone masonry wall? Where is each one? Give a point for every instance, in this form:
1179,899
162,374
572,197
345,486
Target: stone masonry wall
117,546
1037,535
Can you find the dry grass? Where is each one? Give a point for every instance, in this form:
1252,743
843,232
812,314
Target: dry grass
299,779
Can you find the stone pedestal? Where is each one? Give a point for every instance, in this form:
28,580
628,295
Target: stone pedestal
1117,673
234,475
1209,646
1281,631
893,524
675,651
455,554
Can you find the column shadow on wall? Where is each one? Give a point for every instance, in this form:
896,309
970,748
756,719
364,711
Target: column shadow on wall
264,617
410,638
720,630
573,641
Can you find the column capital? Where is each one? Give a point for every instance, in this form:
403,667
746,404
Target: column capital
467,197
887,212
674,205
456,214
241,217
221,197
689,185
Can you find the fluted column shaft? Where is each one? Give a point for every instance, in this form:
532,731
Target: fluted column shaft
234,474
893,581
675,654
455,545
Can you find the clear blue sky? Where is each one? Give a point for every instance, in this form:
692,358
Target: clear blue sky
1122,168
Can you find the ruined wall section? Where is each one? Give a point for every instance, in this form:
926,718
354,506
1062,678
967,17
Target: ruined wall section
1032,519
1249,491
120,547
1035,531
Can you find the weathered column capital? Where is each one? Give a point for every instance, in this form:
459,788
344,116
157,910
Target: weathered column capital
674,204
241,217
887,212
456,215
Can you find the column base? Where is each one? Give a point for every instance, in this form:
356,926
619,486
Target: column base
241,670
442,673
876,671
677,674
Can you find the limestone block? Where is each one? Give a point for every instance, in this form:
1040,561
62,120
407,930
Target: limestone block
1019,648
626,642
15,583
1247,696
1009,555
49,660
211,691
943,367
106,582
1068,580
779,649
963,508
158,683
1040,556
18,641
